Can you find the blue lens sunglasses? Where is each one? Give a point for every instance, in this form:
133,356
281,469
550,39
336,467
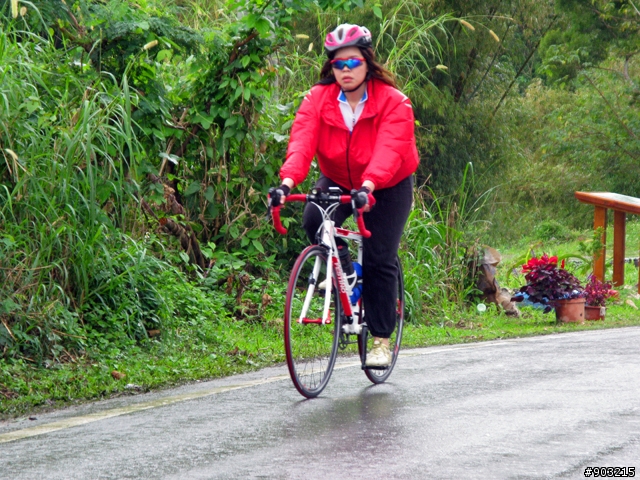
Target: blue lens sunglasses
350,63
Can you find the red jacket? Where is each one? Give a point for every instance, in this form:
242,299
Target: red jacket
381,148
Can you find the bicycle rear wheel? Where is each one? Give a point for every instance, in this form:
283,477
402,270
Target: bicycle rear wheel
379,375
310,344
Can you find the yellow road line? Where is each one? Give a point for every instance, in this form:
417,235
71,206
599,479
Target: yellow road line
115,412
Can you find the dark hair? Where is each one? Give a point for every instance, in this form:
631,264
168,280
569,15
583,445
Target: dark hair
376,70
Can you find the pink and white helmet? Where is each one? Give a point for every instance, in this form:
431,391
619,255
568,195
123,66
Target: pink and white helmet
347,35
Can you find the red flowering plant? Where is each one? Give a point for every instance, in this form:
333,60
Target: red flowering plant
546,282
597,292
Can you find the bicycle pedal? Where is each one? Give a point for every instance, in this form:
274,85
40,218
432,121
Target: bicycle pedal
375,368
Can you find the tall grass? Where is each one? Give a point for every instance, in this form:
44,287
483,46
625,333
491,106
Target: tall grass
440,248
67,199
407,39
410,41
200,14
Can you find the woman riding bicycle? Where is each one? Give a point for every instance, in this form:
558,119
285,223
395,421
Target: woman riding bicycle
360,128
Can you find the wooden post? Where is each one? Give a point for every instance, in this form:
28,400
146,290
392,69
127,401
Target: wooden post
619,232
600,220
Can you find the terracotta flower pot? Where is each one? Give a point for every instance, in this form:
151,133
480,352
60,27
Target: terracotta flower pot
571,310
594,313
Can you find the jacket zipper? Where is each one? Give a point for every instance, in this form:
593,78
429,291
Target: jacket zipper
348,169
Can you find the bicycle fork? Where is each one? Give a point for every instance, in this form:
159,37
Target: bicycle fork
343,292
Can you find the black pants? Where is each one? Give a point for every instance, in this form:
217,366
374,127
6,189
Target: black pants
386,222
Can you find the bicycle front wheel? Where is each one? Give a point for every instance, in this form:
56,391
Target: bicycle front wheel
310,338
379,375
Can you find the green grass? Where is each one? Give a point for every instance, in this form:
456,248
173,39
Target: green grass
239,348
207,333
215,347
473,327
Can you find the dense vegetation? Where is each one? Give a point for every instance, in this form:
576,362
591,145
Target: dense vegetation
138,141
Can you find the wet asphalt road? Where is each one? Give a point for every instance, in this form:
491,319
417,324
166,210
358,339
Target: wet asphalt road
542,407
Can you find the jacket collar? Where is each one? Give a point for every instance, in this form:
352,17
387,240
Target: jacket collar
331,110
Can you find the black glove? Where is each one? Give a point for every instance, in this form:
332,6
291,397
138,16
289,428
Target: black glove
360,197
276,194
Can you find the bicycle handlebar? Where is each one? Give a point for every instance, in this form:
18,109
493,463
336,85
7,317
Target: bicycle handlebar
322,198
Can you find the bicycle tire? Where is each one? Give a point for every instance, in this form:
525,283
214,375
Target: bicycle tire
312,346
381,375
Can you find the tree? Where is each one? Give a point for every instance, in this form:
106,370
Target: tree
589,32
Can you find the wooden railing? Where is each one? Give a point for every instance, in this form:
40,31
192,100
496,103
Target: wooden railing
621,205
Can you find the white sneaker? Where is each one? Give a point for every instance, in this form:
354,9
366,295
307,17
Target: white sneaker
379,356
351,281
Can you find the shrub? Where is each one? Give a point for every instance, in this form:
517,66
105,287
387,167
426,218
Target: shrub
547,283
597,292
551,229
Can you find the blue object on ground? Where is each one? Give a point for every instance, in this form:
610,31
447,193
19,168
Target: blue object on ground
528,303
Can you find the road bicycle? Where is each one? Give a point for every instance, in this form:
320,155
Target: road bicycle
321,322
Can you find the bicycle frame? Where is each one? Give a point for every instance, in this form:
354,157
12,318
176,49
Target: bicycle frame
327,234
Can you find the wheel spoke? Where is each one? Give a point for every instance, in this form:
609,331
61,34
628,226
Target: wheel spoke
310,343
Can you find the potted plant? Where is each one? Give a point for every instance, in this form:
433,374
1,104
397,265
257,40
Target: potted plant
553,287
596,295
